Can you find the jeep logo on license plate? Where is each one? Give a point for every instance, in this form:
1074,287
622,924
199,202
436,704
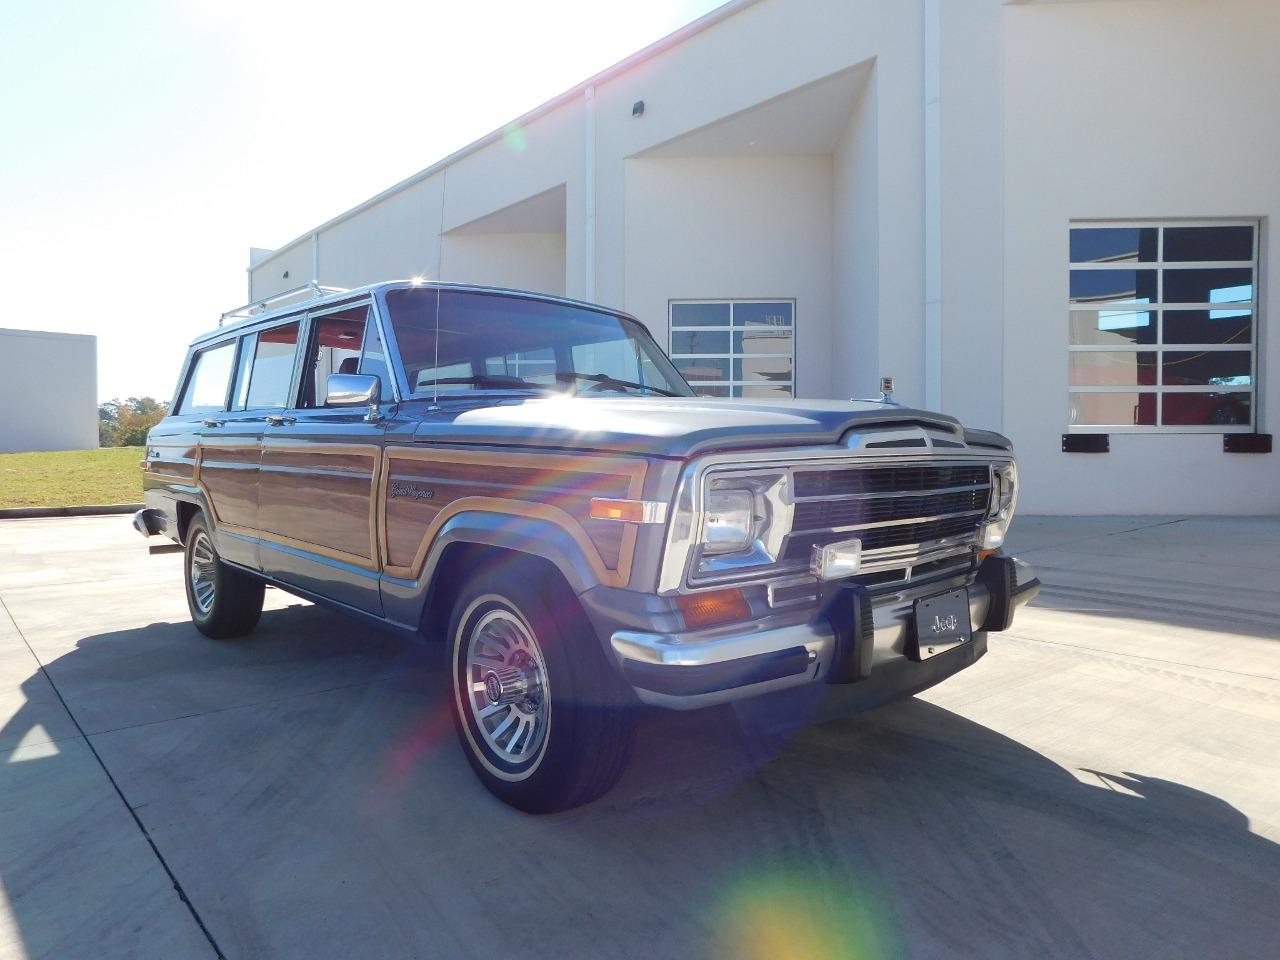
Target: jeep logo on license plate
941,624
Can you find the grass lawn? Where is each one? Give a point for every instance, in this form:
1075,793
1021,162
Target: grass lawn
68,478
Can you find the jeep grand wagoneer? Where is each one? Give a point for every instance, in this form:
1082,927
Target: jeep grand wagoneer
530,480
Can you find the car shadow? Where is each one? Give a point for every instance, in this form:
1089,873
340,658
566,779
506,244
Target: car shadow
305,788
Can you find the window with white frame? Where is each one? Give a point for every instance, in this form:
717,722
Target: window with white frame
735,348
1163,326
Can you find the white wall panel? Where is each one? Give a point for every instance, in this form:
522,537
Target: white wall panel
48,391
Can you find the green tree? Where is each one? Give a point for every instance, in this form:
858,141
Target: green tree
124,423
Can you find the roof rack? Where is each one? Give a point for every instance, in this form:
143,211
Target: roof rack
255,307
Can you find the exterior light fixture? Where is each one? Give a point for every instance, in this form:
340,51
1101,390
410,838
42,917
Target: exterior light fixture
637,109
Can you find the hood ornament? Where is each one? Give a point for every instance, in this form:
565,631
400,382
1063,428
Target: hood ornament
886,394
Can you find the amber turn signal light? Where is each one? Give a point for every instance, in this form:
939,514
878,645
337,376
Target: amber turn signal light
983,554
708,609
628,511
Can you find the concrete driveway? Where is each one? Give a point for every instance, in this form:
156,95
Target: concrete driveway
1105,783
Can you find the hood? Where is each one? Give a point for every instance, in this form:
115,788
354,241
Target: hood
658,426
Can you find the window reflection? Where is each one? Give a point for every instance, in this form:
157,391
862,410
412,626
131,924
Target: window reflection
753,358
1104,368
1113,245
1113,286
1208,326
1113,327
1185,244
1168,300
1223,368
1207,409
1113,409
1223,285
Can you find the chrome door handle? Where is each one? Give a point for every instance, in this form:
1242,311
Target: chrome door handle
211,423
279,420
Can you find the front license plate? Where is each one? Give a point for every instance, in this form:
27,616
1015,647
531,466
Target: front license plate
942,623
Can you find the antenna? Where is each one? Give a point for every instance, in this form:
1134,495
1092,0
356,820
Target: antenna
435,377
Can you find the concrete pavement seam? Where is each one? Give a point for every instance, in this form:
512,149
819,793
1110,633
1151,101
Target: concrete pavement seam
164,864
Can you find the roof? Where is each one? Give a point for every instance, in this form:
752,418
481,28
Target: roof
332,299
622,66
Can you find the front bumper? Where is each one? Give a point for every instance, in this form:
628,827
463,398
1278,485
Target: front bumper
690,671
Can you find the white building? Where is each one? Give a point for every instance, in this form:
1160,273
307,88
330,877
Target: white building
905,184
48,391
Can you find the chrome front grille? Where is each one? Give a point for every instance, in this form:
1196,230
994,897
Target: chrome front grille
889,508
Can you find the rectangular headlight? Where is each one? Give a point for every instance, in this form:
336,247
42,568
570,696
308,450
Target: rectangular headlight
1004,499
729,521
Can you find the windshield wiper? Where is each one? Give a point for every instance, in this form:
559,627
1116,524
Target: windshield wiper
485,381
568,376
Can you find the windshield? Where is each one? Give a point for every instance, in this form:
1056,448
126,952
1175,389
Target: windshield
495,342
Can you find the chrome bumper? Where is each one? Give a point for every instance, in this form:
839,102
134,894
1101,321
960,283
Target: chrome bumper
695,670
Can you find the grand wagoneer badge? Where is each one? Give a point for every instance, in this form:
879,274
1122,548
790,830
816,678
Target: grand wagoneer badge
411,491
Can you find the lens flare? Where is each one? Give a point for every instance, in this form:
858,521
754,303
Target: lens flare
805,914
513,136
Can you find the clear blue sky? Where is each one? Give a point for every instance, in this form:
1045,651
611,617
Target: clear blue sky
146,145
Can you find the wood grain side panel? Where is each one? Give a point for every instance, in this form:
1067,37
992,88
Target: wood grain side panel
439,484
173,461
320,496
229,475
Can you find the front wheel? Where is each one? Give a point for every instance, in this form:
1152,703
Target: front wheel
224,602
544,720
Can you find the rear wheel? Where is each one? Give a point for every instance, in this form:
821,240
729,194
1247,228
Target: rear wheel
544,720
224,602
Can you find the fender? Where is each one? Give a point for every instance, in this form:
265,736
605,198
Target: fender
541,537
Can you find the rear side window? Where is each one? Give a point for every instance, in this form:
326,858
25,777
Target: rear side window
210,376
272,370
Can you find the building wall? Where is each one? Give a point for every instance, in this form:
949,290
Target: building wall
48,391
922,226
1130,110
521,261
721,228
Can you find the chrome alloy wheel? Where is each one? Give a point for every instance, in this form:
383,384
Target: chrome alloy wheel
203,573
505,689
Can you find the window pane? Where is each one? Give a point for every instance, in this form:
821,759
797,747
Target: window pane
1229,285
1113,244
1113,409
1226,368
696,341
762,368
273,367
1204,409
429,378
762,314
763,392
762,341
536,366
373,361
700,314
705,391
336,344
1107,369
1113,327
1102,286
207,389
1208,243
702,368
617,358
1208,326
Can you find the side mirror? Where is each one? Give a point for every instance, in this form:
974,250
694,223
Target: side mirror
352,390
